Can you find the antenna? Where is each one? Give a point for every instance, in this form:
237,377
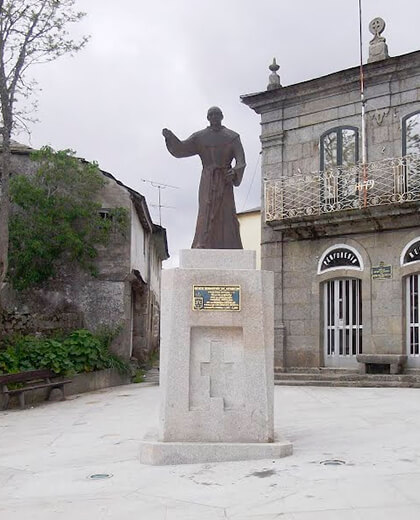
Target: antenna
252,181
160,186
161,206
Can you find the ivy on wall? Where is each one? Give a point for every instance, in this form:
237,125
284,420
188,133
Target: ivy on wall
56,219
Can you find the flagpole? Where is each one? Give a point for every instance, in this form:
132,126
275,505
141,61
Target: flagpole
363,102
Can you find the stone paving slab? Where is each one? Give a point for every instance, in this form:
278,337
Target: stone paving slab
47,453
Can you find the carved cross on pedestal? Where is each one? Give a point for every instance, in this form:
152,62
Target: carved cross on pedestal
378,49
217,369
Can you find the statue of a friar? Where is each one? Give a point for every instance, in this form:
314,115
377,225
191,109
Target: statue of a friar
217,223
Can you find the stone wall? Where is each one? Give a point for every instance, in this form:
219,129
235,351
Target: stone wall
124,294
23,322
293,120
77,301
291,133
299,294
74,298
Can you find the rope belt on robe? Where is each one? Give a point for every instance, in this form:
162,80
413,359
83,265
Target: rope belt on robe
218,180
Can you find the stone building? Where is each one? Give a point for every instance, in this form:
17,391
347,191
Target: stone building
124,295
342,235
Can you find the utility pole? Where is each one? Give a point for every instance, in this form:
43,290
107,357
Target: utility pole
363,103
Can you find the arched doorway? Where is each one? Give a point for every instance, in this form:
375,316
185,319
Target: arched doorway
410,257
342,312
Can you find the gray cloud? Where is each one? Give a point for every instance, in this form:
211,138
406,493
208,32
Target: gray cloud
160,64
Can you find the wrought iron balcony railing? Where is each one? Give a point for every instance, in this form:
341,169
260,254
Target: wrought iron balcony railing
389,181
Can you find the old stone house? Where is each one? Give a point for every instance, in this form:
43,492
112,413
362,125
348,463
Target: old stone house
125,294
340,223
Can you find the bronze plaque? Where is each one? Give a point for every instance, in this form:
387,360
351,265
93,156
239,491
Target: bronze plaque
381,272
216,297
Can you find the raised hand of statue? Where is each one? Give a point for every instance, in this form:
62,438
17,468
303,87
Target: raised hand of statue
166,133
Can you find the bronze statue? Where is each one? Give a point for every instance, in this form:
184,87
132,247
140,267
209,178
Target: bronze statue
217,224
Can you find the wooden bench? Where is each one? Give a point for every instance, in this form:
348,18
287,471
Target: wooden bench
31,380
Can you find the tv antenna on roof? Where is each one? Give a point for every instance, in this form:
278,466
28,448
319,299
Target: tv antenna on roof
160,186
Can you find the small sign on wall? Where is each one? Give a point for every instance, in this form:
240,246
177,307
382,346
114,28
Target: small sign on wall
216,297
381,272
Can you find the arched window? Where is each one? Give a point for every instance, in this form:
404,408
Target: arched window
339,149
411,134
411,252
340,256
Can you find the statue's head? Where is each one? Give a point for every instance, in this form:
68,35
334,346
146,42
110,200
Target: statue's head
214,116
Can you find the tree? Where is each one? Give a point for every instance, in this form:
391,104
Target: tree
55,220
31,31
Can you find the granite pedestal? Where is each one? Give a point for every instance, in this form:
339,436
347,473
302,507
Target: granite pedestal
216,367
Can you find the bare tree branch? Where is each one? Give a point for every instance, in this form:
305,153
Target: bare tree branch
31,31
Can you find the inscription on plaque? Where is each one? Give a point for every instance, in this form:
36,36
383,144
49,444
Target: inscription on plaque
217,297
381,272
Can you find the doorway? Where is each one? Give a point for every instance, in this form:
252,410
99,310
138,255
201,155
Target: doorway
413,325
343,324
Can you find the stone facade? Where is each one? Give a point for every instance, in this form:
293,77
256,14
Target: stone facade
124,295
294,120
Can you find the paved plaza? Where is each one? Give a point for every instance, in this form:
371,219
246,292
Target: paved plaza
47,454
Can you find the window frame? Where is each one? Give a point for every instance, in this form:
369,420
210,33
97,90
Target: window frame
405,250
412,326
105,213
404,131
339,132
327,251
342,315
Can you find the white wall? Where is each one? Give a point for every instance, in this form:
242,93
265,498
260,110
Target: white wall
155,274
250,230
139,246
139,255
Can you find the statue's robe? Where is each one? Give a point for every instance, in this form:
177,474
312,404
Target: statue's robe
217,224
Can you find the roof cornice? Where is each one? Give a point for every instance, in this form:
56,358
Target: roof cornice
336,83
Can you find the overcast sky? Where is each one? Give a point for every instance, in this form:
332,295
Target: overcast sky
162,63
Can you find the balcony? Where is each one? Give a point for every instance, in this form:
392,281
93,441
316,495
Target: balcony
351,189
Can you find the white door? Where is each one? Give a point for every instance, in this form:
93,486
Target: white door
342,322
412,292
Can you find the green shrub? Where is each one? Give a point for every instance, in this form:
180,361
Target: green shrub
80,351
56,220
139,376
